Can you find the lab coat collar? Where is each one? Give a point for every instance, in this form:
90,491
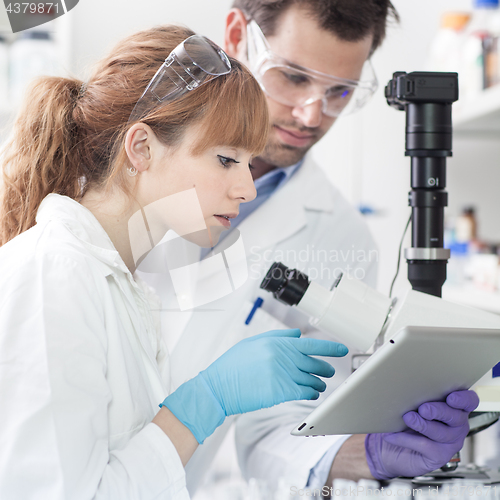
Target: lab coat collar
285,212
82,223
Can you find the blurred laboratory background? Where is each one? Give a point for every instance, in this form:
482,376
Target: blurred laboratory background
363,154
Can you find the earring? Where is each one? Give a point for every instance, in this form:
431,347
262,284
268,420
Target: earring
131,171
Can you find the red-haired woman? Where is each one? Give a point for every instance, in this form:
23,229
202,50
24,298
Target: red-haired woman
83,368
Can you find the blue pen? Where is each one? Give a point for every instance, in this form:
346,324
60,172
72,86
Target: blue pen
256,305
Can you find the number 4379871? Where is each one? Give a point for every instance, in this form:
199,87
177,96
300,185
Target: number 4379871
33,8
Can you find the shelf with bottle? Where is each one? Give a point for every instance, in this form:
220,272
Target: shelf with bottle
469,43
473,280
474,267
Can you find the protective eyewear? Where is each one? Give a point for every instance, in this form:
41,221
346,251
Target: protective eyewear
294,85
195,61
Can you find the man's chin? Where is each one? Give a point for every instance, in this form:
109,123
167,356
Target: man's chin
283,155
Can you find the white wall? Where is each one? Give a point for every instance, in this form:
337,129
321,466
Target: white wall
97,25
363,154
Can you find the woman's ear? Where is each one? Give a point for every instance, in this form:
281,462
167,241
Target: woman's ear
138,144
235,36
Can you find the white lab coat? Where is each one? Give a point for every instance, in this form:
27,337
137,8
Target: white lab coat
82,368
307,224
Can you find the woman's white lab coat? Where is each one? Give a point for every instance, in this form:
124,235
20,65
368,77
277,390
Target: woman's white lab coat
82,368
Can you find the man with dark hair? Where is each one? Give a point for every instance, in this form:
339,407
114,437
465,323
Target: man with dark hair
349,21
312,58
320,35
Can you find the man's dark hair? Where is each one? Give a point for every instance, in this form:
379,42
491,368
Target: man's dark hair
349,20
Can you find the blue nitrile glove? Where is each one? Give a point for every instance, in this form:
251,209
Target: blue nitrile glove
258,372
437,431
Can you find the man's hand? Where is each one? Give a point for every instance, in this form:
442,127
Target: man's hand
437,431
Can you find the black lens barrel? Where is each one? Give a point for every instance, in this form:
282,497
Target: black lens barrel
286,285
427,99
428,126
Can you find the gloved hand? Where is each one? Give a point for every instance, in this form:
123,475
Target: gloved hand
258,372
437,431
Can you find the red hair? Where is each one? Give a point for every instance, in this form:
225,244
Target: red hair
69,137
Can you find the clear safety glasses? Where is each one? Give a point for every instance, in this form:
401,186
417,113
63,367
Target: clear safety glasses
295,85
195,61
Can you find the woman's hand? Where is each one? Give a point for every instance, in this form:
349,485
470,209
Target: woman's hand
256,373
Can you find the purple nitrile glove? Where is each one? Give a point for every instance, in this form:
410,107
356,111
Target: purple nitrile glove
437,431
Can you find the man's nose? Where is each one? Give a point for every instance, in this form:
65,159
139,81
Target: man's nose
310,115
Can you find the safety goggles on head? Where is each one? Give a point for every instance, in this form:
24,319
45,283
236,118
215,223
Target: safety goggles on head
295,85
195,61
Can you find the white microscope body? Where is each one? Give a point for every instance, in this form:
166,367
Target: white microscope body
362,318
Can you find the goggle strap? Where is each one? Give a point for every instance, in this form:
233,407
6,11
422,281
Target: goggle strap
184,73
256,42
142,107
163,89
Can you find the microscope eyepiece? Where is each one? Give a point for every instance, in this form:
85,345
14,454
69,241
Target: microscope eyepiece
275,278
286,285
350,311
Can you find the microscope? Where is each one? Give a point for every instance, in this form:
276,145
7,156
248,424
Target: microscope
362,317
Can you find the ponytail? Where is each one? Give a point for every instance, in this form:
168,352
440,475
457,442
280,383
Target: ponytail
41,156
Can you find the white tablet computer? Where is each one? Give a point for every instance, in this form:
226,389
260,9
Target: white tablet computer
418,364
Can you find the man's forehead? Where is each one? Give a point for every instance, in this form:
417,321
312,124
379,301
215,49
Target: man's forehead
299,38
